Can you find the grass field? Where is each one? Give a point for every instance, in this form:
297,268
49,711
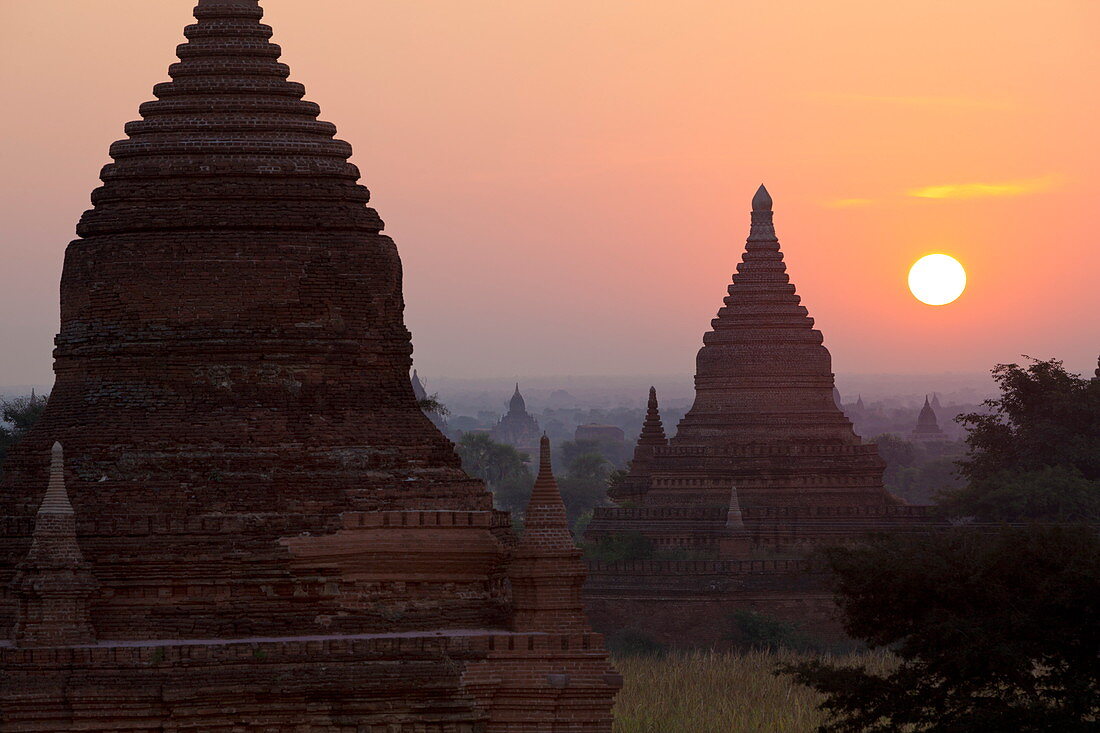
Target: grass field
707,692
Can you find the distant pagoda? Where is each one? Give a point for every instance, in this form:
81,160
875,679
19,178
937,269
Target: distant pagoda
764,466
254,521
517,428
765,417
928,428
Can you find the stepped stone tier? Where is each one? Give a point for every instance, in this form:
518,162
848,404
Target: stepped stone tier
261,529
928,428
765,463
517,428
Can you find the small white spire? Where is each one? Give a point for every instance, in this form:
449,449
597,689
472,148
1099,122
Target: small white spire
56,500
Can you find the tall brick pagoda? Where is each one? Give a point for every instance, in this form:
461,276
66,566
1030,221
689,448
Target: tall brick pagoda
246,463
764,465
764,417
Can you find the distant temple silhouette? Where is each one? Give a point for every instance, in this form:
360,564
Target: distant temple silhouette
928,428
517,428
764,465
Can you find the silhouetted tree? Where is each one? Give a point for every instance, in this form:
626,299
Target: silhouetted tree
994,631
433,406
500,466
584,485
17,416
1036,454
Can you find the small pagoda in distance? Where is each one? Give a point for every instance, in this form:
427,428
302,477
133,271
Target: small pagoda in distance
928,427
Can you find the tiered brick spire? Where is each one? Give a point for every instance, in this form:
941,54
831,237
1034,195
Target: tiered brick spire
546,572
736,543
53,584
763,374
651,437
653,430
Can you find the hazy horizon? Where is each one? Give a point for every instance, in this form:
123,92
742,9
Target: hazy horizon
568,183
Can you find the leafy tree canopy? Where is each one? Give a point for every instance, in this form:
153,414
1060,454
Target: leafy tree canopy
500,466
1036,453
433,406
994,632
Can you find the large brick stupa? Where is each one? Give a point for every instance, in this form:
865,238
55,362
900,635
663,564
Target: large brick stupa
763,466
268,530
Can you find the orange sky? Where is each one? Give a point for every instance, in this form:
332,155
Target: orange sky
568,182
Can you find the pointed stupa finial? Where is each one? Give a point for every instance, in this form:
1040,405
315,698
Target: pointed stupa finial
762,201
546,470
1097,367
653,430
517,405
56,500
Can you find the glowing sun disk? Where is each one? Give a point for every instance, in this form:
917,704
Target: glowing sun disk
937,279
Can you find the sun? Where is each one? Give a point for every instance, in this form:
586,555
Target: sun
937,279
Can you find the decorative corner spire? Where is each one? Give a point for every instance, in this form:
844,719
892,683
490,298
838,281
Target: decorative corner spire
546,570
762,201
1097,368
53,584
545,494
653,429
735,542
56,500
546,470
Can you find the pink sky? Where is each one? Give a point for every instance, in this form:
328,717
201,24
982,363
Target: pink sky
568,182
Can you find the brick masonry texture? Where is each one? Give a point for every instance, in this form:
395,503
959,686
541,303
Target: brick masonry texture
245,457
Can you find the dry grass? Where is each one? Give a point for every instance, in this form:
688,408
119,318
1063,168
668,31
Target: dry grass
708,692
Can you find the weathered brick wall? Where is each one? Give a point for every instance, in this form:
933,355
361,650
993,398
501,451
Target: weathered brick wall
484,683
690,603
